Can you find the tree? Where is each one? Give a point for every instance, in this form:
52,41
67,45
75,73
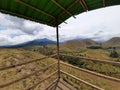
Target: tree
114,53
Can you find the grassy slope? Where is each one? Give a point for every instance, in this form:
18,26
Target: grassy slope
101,82
97,53
93,53
13,56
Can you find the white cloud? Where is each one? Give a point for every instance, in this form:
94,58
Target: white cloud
15,30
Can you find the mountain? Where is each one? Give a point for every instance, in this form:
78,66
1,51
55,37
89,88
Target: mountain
80,43
113,42
41,42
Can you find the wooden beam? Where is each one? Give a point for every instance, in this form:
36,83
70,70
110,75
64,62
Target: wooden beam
93,59
65,10
92,72
25,17
68,8
80,80
24,63
104,3
38,10
84,3
26,76
40,81
80,1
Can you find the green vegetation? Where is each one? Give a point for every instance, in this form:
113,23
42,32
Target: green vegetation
106,69
101,82
45,50
114,53
14,56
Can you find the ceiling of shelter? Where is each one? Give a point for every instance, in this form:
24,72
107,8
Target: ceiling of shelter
51,12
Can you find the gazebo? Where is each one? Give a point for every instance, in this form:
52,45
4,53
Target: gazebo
53,13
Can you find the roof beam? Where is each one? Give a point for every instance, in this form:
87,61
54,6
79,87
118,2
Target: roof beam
66,9
80,1
63,8
84,3
25,17
103,3
38,10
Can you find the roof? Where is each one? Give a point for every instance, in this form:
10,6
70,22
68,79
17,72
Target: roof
51,12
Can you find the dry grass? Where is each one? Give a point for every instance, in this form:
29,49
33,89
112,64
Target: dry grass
98,81
15,56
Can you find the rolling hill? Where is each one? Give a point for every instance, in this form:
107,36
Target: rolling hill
113,42
15,56
35,42
80,43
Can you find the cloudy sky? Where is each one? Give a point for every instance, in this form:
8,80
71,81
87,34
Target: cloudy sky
100,25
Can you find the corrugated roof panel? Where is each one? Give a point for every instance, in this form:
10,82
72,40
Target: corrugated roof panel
50,11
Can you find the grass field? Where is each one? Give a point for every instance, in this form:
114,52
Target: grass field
15,56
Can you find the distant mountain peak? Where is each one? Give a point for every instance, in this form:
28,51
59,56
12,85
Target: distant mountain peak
43,41
113,42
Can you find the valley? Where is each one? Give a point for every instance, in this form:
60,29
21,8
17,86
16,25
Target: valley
88,49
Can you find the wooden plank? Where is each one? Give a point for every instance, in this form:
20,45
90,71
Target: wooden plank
24,63
103,3
85,5
26,76
93,59
63,8
91,72
40,81
51,84
87,83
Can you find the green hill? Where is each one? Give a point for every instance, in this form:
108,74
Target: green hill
15,56
77,44
113,42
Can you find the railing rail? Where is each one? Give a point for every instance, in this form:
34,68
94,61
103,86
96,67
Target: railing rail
93,59
91,72
40,81
24,63
51,84
78,79
26,76
62,72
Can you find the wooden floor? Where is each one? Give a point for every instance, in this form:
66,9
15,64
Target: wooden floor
62,85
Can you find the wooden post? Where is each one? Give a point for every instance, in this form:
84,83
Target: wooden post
58,55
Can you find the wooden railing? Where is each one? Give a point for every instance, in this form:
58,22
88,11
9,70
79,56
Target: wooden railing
24,63
91,72
82,81
93,59
61,72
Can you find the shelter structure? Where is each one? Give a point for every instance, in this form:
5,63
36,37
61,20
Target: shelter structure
53,13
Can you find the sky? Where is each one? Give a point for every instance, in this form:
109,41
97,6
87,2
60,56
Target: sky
99,25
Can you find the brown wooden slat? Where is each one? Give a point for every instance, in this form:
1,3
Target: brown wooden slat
40,81
26,76
83,1
89,84
54,1
91,72
80,1
38,10
25,17
24,63
94,60
103,3
51,84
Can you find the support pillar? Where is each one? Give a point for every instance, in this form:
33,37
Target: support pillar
57,36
